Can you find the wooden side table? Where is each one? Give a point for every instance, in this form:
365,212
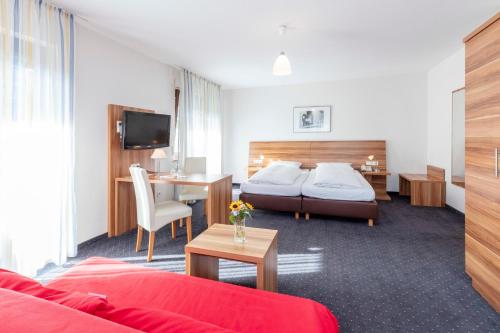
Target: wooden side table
378,180
260,248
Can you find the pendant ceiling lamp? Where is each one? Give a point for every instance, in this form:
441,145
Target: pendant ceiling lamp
282,65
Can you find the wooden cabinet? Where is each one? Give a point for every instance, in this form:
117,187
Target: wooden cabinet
482,177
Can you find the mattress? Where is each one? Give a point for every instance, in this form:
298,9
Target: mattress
363,193
277,190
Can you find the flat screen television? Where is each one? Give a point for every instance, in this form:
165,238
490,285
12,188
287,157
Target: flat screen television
142,130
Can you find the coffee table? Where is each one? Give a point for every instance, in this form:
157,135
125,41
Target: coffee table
260,248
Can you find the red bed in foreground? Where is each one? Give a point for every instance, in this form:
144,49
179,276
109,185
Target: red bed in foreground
227,306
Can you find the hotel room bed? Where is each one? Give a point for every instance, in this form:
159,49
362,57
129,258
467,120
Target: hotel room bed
310,199
227,306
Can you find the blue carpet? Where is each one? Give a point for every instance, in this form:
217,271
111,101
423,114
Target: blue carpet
404,275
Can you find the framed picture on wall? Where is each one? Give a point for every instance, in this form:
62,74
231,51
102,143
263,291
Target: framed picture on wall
312,119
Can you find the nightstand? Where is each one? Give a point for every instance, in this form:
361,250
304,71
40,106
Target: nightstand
378,180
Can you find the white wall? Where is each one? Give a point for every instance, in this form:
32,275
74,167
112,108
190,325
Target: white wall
442,79
108,73
458,134
385,108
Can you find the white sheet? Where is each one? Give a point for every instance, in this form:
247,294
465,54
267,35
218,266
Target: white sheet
363,193
292,190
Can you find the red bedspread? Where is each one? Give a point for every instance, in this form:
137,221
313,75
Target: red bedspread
233,307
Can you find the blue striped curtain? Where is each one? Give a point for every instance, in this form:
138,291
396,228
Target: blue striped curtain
37,197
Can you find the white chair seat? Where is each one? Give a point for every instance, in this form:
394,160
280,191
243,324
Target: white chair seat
193,193
169,211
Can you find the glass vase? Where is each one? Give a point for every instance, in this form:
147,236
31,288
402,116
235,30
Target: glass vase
239,230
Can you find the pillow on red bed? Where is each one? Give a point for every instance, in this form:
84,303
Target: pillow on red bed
158,321
76,300
21,313
147,320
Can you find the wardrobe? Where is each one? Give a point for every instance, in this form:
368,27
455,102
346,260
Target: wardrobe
482,153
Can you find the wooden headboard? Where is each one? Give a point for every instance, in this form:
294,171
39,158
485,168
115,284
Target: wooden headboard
311,152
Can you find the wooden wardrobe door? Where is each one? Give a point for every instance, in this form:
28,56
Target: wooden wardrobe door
482,211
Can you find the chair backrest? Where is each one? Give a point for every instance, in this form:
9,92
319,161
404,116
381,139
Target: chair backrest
143,197
195,165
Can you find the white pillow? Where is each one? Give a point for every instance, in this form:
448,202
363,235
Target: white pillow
344,165
277,175
289,163
333,176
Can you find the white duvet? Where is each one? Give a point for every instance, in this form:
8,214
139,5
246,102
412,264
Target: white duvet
363,193
276,174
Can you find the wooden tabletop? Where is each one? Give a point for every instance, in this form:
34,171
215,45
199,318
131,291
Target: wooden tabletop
200,179
217,241
417,177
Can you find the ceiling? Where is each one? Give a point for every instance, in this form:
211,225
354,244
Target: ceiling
234,42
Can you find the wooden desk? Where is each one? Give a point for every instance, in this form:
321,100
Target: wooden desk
378,180
424,189
219,198
260,248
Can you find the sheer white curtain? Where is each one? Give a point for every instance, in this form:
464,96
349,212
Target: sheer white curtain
200,121
37,208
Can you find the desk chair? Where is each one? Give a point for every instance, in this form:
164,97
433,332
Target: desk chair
151,216
188,193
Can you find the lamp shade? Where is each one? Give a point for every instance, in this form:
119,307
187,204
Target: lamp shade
158,154
282,66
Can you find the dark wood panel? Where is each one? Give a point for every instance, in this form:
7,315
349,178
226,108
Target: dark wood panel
483,48
482,131
355,152
483,101
119,161
483,26
483,266
279,150
483,224
435,172
311,152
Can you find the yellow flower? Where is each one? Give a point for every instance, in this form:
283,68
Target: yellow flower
234,205
249,206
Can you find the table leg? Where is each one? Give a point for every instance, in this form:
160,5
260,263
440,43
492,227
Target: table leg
202,266
113,218
218,200
267,271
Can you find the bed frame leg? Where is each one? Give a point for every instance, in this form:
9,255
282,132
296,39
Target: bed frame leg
370,222
297,215
307,216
